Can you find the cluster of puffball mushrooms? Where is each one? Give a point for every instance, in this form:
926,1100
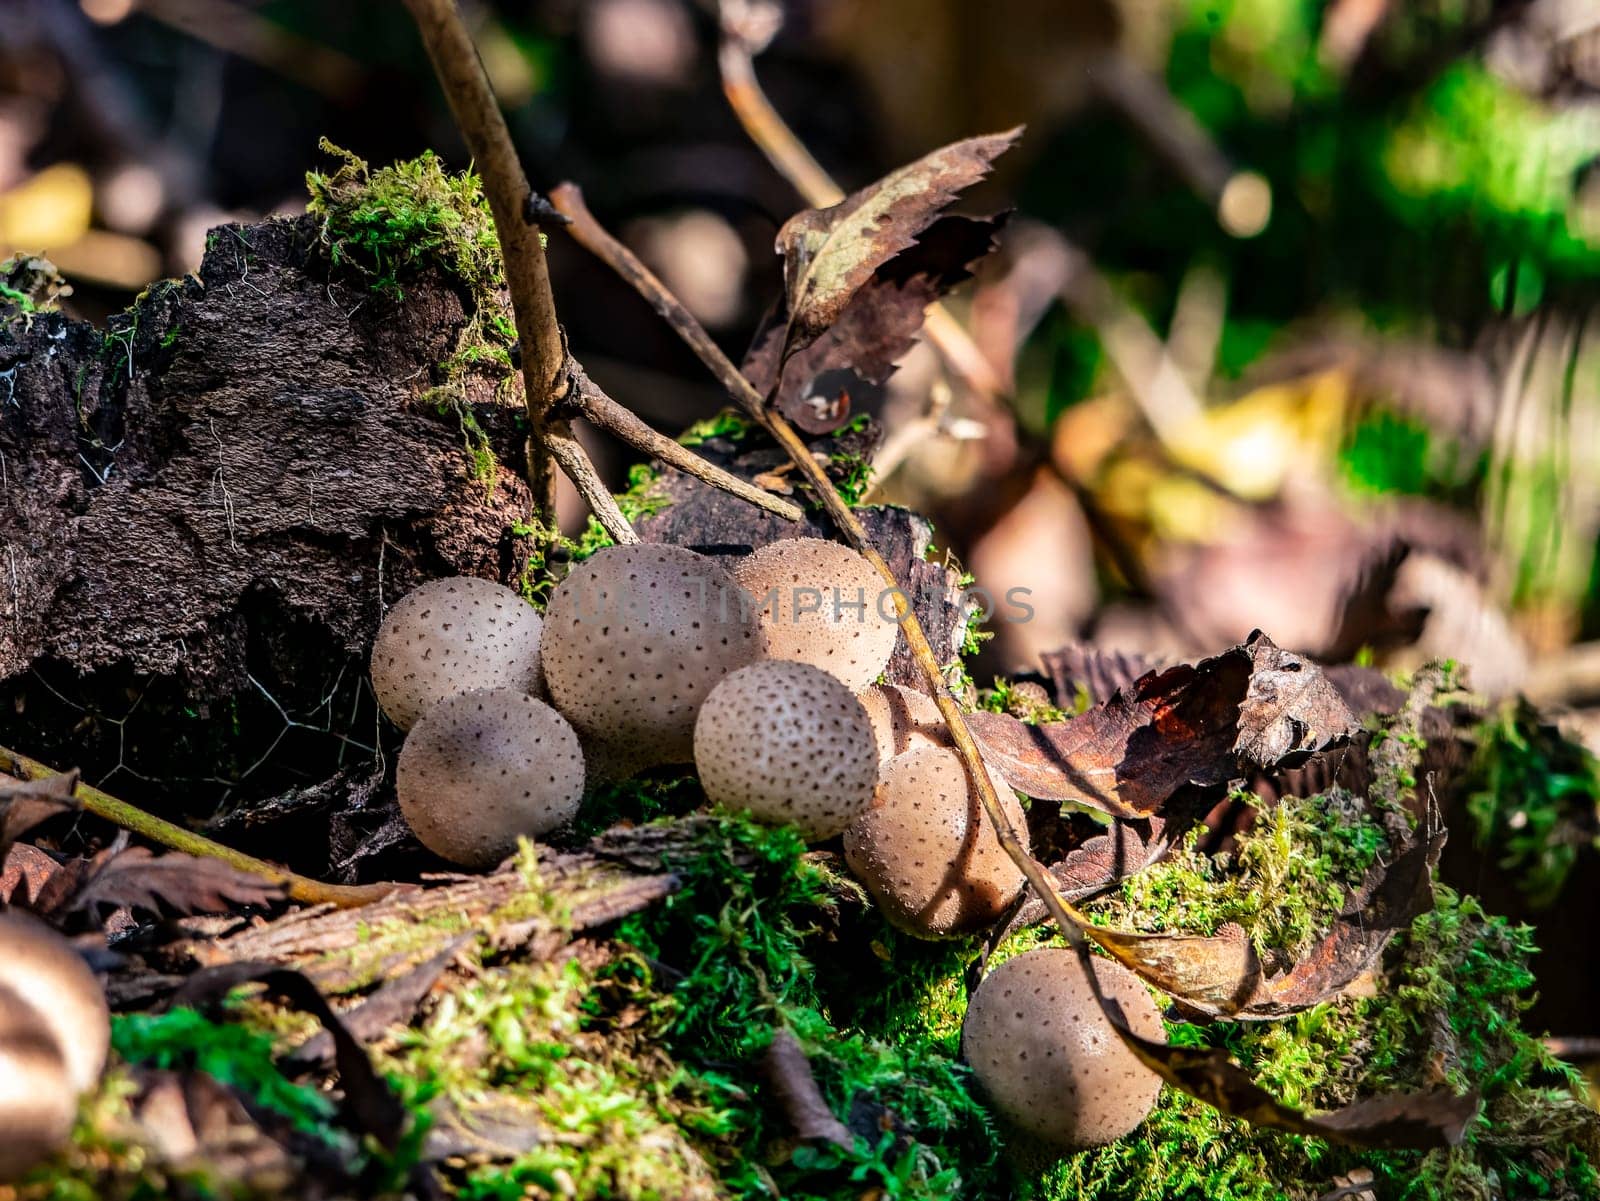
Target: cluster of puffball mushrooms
763,678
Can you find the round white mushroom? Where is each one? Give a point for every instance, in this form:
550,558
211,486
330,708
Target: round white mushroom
38,1101
821,603
927,851
484,768
451,636
41,968
1048,1059
636,638
789,743
903,719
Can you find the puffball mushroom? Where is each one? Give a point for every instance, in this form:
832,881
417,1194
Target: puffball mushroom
484,767
453,635
1047,1057
820,604
42,969
927,852
789,743
903,719
37,1100
636,638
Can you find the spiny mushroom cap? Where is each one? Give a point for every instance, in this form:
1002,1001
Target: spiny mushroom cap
926,849
820,604
903,719
636,638
484,767
789,743
451,636
37,1100
42,968
1048,1058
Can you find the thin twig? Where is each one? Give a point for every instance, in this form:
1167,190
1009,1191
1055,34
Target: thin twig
789,156
576,466
593,403
299,888
466,87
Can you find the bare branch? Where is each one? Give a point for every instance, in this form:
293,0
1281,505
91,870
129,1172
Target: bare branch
576,466
593,403
146,825
466,87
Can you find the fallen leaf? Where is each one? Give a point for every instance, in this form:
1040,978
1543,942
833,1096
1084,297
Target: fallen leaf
850,361
26,803
370,1103
830,254
795,1088
136,878
1097,671
1253,706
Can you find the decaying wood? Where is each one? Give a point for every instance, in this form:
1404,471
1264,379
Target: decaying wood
536,913
222,493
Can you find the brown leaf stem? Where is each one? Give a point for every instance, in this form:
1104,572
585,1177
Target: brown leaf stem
299,888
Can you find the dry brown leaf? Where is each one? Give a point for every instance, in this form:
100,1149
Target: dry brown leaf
830,254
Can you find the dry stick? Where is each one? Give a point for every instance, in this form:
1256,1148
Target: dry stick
466,87
564,447
568,199
621,423
146,825
789,156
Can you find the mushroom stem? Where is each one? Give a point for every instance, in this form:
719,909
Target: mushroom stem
130,817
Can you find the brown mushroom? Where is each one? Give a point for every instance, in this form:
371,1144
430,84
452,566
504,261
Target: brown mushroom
1048,1059
41,968
450,636
821,603
38,1102
790,744
483,768
926,850
903,719
636,638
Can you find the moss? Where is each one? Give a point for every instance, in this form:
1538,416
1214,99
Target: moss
519,1042
729,424
390,225
395,222
229,1051
1284,885
1446,1010
753,911
1007,697
1532,795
